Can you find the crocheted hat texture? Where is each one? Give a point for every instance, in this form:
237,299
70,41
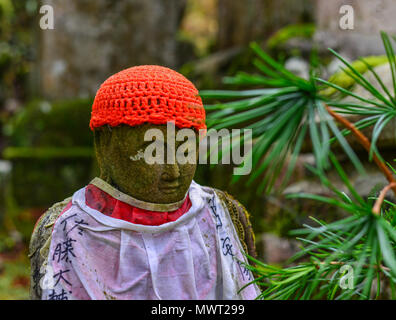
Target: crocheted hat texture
148,94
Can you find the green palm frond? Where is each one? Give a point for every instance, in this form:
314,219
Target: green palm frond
378,110
285,111
281,118
364,241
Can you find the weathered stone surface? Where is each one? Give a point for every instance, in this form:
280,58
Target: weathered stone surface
94,39
370,17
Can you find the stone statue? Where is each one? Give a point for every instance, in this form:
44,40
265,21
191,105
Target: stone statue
144,229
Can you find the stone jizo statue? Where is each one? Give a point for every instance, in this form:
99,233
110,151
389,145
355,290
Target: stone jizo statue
143,230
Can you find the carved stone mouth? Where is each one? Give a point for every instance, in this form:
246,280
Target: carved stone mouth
170,187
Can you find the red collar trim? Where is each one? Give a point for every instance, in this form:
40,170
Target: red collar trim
101,201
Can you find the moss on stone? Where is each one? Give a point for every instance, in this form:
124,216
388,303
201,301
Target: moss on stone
343,80
114,147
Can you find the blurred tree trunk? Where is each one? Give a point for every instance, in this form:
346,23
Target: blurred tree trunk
94,39
243,21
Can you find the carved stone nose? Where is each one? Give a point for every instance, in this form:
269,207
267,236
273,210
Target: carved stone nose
171,172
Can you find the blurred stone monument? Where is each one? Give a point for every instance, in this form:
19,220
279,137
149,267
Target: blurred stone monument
94,39
359,36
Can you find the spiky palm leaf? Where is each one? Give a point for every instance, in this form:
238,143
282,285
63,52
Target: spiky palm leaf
381,108
364,241
281,118
292,111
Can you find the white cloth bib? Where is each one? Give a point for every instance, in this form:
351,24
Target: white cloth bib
198,256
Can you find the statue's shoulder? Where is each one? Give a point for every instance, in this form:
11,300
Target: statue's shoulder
43,227
241,220
40,242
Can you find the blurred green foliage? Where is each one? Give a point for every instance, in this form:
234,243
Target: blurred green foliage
16,46
56,124
51,151
14,278
290,32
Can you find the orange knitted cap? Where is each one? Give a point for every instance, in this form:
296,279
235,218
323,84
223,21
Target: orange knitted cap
148,94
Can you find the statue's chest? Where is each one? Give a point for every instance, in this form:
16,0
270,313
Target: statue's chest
180,263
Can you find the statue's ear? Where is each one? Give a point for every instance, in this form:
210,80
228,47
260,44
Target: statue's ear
96,134
102,137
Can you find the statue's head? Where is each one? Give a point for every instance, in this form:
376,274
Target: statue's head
139,118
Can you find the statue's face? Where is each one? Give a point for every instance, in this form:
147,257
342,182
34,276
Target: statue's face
120,156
